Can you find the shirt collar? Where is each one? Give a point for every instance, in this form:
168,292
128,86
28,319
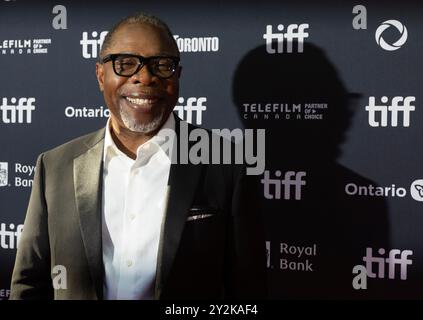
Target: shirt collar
163,139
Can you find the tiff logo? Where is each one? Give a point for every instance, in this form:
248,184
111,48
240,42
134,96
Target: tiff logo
91,47
293,32
3,173
396,257
20,113
192,105
9,239
293,181
399,105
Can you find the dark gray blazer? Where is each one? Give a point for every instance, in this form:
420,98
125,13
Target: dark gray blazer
219,256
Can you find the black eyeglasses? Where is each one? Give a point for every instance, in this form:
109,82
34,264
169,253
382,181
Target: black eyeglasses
126,65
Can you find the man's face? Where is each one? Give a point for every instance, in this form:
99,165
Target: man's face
143,102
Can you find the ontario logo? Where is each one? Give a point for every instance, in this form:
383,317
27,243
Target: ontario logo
392,191
22,178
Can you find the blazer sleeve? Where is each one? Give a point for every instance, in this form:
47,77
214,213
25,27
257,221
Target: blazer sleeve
245,275
31,277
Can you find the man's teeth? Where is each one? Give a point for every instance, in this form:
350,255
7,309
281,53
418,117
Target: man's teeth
140,101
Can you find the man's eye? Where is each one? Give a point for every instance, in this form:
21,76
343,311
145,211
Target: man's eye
164,65
126,63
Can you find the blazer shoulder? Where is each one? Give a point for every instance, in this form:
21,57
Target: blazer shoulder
75,147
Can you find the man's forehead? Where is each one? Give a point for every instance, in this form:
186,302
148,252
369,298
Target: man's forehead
126,32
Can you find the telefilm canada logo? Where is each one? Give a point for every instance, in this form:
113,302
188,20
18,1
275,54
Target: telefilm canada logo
4,294
284,111
392,191
20,177
34,45
291,257
24,46
16,110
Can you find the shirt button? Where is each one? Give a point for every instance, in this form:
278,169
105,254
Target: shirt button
131,216
129,263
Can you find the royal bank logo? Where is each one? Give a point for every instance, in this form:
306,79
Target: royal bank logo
283,40
398,43
191,108
288,188
19,174
17,110
292,257
3,174
392,191
197,44
284,111
24,46
268,254
10,235
91,45
389,113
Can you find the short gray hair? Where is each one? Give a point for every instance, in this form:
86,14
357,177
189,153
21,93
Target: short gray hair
137,18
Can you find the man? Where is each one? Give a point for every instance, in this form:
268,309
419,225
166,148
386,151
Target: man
118,216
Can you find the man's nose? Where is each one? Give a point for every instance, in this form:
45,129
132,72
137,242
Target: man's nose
144,76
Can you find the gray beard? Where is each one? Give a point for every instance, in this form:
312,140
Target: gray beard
132,125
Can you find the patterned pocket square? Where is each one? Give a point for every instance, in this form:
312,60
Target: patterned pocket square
197,213
199,216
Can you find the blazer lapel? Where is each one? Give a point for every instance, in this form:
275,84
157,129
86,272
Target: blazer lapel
87,169
183,181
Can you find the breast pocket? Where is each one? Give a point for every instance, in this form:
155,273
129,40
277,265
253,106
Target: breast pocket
203,228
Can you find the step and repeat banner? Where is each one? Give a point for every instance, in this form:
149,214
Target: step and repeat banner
336,85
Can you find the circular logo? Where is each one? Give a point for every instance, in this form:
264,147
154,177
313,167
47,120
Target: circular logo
416,190
397,44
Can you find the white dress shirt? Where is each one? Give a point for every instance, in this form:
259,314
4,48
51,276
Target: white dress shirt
134,201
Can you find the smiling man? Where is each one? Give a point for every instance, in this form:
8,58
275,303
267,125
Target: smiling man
118,217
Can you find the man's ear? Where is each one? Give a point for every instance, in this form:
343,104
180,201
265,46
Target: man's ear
99,71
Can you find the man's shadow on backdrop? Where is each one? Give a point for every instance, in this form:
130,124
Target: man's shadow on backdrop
340,225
